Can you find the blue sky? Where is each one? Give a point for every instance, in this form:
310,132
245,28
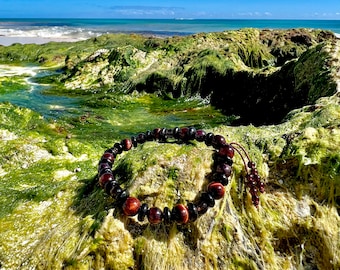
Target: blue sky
234,9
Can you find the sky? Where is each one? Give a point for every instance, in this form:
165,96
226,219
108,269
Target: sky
197,9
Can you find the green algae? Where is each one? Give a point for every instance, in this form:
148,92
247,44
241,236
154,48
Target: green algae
58,218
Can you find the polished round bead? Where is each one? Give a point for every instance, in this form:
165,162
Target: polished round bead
108,156
166,215
180,214
209,138
143,211
255,200
117,147
176,131
183,133
109,186
141,138
227,150
116,191
104,165
149,136
200,135
106,177
224,168
191,133
193,212
156,133
221,178
126,144
202,207
122,197
103,171
206,197
131,206
216,190
155,215
218,141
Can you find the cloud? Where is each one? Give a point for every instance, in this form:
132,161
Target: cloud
145,10
254,14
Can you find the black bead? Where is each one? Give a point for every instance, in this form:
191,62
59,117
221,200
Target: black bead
166,215
206,197
134,141
222,159
176,132
162,134
105,170
109,186
221,178
141,138
202,207
143,211
169,133
209,138
121,198
104,160
119,148
191,133
116,191
193,212
149,136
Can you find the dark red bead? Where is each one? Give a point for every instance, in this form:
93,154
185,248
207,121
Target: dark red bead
180,214
131,206
218,141
126,144
154,215
224,168
216,190
200,135
227,150
156,133
106,177
183,133
261,186
141,138
108,156
251,165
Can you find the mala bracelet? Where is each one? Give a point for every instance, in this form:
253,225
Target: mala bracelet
180,213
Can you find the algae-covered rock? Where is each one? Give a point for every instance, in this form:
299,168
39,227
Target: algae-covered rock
54,215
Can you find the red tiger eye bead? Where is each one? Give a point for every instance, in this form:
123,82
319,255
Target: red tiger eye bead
216,190
126,144
227,150
180,214
106,177
131,206
109,156
154,215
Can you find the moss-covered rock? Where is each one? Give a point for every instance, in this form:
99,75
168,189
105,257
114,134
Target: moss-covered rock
55,216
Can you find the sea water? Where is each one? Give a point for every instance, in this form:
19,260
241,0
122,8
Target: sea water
79,29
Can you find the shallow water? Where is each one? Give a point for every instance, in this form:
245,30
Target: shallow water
120,115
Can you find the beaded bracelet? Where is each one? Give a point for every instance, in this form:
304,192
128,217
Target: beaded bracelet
222,169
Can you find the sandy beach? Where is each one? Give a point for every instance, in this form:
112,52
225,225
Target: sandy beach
7,41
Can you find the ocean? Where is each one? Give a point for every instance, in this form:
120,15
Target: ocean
80,29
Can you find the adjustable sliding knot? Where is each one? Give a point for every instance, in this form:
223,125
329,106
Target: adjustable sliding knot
180,213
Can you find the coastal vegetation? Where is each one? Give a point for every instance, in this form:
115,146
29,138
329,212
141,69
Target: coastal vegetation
276,92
